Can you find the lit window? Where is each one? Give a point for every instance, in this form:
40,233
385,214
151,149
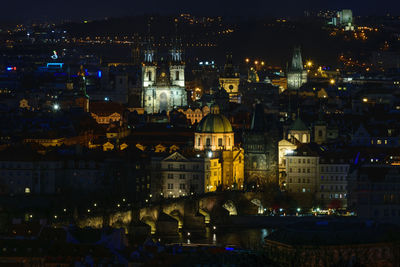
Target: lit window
27,190
379,142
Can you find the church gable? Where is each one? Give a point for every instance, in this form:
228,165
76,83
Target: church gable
176,156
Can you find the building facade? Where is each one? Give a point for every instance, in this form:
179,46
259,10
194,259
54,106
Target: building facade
163,82
296,75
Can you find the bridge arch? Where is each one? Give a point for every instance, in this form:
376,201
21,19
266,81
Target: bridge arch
258,203
230,207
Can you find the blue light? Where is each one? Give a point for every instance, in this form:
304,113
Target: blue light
55,65
9,68
229,249
99,74
106,99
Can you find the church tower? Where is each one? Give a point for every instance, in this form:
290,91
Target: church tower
230,81
149,64
261,150
320,129
296,75
163,82
177,67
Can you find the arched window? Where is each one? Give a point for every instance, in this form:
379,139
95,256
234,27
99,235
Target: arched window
208,142
305,139
198,141
149,75
177,75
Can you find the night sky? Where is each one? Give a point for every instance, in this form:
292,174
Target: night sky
90,9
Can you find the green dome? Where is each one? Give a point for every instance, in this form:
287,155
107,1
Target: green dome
214,123
298,125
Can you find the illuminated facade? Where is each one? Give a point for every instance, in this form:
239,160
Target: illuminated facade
215,137
163,83
195,115
300,131
296,75
214,132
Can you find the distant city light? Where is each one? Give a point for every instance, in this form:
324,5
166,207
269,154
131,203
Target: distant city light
247,60
365,100
332,81
106,99
56,107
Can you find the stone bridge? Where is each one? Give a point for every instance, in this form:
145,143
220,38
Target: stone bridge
189,213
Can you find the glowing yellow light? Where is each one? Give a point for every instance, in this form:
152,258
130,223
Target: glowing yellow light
332,81
262,63
309,64
365,99
256,62
247,60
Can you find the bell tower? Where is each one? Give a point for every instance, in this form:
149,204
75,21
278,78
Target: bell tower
230,80
149,69
177,66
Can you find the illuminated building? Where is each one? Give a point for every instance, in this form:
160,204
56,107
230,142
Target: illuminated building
181,174
302,168
107,112
299,131
195,115
230,81
214,132
163,83
214,136
285,147
296,75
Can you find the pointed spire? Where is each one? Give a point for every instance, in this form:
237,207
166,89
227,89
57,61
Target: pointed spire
228,68
297,61
257,121
176,49
149,52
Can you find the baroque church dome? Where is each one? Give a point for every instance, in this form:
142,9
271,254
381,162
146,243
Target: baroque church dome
214,122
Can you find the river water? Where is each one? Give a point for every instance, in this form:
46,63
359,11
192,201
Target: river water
252,238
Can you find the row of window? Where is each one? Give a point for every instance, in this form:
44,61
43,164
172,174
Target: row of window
181,186
334,196
299,170
302,190
300,161
299,180
183,167
334,187
208,141
182,176
333,178
334,168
